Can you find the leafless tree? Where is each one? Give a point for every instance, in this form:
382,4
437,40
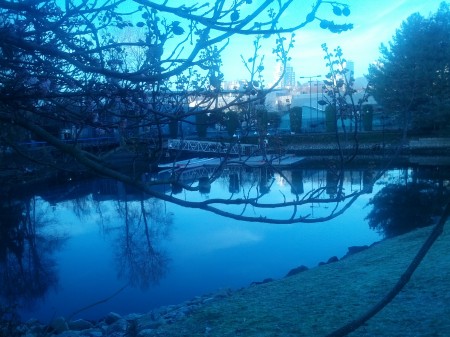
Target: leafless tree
128,70
67,73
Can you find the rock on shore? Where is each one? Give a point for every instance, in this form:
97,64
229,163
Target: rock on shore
115,325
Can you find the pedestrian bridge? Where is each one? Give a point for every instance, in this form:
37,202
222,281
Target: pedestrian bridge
212,147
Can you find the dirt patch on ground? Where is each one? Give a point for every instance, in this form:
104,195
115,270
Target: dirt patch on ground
320,300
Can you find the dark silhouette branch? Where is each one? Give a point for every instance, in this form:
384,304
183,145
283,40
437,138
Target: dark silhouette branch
401,283
212,205
104,300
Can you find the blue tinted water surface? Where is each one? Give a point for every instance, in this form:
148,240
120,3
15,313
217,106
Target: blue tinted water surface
201,252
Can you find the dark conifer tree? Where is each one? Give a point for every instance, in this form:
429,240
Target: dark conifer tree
411,78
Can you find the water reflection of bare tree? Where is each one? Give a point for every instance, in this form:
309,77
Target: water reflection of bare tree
27,268
139,255
82,206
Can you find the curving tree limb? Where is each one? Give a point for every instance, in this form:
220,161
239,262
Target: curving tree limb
404,279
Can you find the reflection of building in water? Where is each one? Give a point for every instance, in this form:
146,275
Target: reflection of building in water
234,183
299,181
236,177
355,180
234,180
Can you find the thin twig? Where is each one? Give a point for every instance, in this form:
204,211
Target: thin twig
97,303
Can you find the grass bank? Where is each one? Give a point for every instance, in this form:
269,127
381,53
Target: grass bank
316,302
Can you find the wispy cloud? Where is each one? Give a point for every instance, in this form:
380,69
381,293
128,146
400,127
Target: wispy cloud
391,8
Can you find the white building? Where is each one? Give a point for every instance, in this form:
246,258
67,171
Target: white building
287,79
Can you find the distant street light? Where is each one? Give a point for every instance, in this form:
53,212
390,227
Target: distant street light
310,95
317,101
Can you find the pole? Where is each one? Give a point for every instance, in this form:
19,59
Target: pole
310,96
317,101
310,102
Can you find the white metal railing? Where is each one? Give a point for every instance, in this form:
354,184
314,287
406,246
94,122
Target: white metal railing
212,147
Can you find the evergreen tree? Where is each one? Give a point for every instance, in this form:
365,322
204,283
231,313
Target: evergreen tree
295,117
411,78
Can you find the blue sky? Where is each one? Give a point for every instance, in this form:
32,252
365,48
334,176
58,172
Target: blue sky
375,22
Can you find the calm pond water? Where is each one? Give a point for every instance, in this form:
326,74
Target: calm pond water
67,247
